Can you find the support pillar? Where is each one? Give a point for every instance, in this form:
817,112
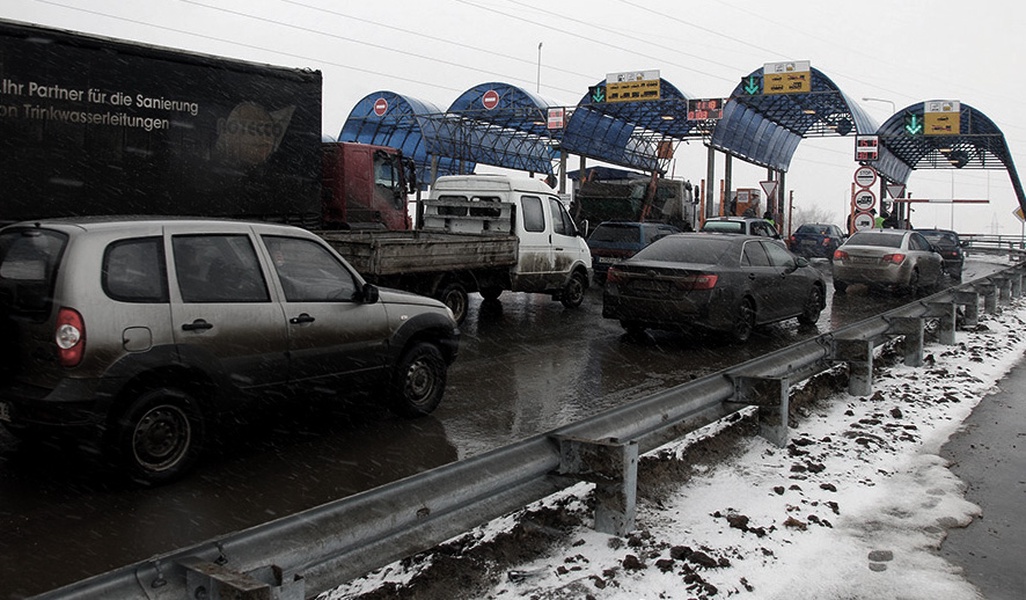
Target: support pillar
971,301
710,187
771,395
858,354
613,467
911,329
946,313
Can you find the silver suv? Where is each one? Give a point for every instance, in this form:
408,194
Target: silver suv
136,335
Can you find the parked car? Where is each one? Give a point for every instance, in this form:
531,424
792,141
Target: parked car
897,259
714,282
950,247
816,240
136,335
613,241
741,225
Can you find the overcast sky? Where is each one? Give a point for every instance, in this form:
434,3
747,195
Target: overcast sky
900,52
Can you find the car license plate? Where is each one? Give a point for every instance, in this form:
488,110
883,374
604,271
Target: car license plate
862,259
607,260
5,412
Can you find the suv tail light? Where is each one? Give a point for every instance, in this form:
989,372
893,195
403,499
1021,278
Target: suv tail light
69,336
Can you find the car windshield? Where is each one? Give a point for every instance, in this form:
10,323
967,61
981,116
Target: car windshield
627,234
686,249
944,239
874,238
727,226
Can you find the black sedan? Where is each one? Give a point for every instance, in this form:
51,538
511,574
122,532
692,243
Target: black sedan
715,282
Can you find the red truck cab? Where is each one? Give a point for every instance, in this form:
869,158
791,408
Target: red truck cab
365,187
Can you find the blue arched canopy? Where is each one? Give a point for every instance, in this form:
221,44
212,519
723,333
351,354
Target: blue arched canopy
388,119
765,129
979,144
499,124
628,133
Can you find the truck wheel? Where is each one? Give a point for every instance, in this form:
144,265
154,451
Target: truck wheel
159,437
418,381
454,295
491,293
573,292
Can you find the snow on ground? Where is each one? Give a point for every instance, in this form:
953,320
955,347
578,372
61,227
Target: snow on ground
854,507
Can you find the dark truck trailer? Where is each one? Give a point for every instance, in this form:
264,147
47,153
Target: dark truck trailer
92,125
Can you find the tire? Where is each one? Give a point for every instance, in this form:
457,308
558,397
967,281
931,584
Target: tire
160,436
840,286
454,295
913,288
813,307
491,293
418,381
573,291
744,321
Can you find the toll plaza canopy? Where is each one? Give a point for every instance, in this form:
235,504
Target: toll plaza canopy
505,126
411,125
765,129
975,143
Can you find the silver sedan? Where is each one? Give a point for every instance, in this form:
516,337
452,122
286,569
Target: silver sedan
891,258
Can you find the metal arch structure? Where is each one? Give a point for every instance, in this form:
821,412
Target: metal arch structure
388,119
765,129
628,134
501,125
979,144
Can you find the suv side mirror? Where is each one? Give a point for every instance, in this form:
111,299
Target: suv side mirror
369,293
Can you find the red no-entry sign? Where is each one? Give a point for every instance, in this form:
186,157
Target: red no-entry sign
490,99
380,107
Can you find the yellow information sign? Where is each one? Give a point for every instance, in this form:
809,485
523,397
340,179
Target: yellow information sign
942,117
792,77
632,91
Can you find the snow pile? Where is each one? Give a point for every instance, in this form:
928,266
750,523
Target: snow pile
853,507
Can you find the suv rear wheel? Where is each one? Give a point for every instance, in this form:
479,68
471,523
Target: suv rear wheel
419,381
159,436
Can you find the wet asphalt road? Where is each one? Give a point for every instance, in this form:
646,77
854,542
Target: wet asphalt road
527,365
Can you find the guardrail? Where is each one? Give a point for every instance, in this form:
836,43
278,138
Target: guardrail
318,549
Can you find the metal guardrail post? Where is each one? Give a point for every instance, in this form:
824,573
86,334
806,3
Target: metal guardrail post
989,291
947,315
911,330
970,299
771,395
210,580
613,467
858,353
1016,278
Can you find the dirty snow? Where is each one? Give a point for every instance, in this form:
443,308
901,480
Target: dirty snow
854,507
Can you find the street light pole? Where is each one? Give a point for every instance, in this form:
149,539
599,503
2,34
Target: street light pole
894,108
537,89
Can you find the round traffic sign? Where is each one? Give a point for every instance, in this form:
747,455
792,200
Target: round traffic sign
380,107
865,176
490,99
864,220
865,199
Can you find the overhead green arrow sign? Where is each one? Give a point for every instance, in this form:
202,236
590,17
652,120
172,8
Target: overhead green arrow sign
913,124
751,85
597,93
